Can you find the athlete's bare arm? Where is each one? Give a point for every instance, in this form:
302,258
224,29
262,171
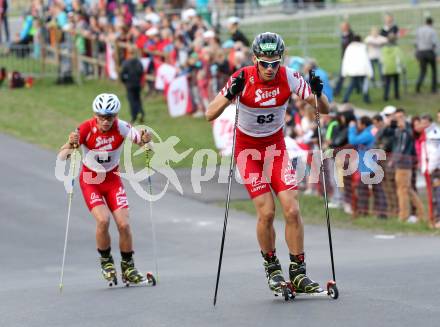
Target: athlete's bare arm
66,149
216,107
323,104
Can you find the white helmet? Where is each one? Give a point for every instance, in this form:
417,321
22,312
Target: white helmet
106,104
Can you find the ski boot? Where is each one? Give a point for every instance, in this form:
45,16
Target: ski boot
108,270
130,275
274,274
300,282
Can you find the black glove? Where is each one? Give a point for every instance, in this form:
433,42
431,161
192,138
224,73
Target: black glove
236,87
316,84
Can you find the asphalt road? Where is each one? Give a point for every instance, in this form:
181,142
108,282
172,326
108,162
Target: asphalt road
382,281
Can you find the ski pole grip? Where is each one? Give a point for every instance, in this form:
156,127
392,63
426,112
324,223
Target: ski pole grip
75,145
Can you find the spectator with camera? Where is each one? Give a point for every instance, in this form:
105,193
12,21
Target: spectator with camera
403,155
385,138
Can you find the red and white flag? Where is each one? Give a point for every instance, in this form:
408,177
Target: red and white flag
165,74
223,130
178,98
110,65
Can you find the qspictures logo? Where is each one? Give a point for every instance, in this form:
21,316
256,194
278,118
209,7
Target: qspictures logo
204,167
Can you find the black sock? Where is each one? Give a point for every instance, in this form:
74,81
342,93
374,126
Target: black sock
127,256
105,253
299,258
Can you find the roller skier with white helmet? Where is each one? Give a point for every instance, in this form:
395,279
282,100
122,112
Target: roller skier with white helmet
101,140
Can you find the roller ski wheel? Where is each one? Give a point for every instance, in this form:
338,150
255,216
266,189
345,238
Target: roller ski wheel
112,279
288,291
151,279
332,289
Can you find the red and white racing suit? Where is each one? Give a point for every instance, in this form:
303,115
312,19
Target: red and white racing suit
99,179
260,151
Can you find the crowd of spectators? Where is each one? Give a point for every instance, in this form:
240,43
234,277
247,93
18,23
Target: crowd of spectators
412,148
180,38
189,39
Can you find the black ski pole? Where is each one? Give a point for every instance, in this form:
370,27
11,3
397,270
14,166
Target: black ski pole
225,223
327,213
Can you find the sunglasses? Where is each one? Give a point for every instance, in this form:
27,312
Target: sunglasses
106,117
269,64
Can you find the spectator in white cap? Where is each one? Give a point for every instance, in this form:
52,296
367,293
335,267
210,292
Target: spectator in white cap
388,111
151,47
152,31
233,20
385,138
208,34
212,41
188,14
236,34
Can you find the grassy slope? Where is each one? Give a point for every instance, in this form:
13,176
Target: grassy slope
46,114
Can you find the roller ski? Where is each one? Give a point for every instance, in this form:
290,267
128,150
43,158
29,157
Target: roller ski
300,285
108,270
132,277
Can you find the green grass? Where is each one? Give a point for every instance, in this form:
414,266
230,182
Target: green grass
312,212
46,113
